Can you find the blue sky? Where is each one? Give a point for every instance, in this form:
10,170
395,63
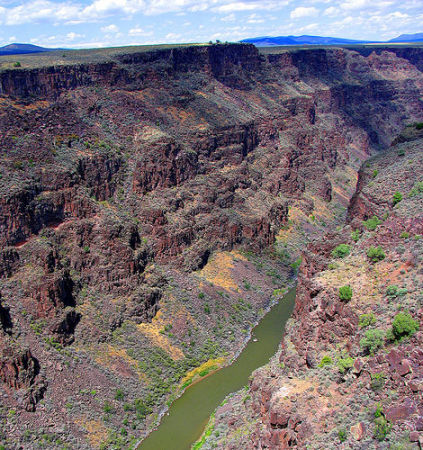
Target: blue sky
102,23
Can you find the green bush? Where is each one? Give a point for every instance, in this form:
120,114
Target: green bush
417,189
17,64
405,235
341,251
419,126
342,435
404,325
382,428
355,235
396,198
326,361
379,411
141,408
345,293
372,341
344,364
376,253
377,382
392,290
375,173
119,394
107,407
372,223
366,320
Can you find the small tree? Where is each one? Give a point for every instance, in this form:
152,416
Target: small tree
345,293
392,290
355,235
372,223
376,253
397,198
345,364
404,325
366,320
372,341
341,251
326,361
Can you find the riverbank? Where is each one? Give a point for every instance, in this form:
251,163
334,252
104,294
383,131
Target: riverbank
176,432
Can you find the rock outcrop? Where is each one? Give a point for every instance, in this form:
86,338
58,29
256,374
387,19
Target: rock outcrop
349,370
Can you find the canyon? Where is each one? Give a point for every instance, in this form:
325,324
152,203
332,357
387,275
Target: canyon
155,202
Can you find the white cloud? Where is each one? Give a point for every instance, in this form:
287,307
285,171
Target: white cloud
110,29
255,18
331,11
229,18
72,36
366,4
302,11
238,6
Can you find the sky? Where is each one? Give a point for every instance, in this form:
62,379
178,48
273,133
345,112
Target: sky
105,23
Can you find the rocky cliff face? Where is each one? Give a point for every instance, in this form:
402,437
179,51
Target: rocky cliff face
127,188
349,371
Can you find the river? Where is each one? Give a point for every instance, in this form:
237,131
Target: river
189,414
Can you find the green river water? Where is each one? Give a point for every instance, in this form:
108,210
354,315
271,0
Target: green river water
189,414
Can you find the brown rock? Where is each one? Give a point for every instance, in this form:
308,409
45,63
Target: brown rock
414,436
404,368
358,431
358,366
18,369
401,411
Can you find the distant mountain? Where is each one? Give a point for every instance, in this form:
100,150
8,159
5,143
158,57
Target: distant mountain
20,49
268,41
417,37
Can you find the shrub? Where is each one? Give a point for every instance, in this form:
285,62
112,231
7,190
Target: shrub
404,325
341,251
366,320
377,382
417,189
401,152
396,198
201,295
372,223
345,293
342,435
296,264
119,394
419,126
375,172
344,364
107,407
372,341
355,235
141,408
382,428
376,253
405,235
392,290
326,361
17,64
